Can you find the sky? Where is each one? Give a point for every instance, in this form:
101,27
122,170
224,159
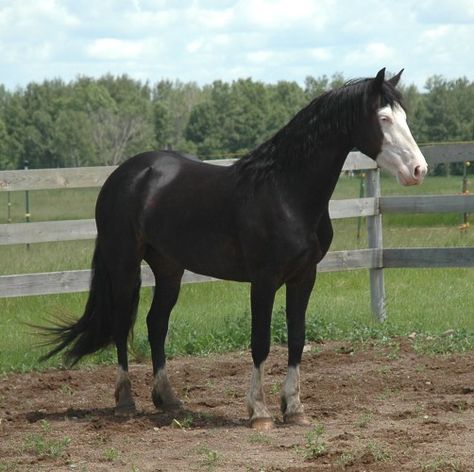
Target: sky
207,40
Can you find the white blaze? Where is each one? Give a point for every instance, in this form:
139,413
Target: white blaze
400,154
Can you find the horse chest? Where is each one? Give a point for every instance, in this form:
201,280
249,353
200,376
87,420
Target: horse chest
284,248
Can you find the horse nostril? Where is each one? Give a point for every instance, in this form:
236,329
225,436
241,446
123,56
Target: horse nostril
417,172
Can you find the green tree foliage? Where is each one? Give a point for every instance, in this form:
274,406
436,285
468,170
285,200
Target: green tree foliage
103,121
172,104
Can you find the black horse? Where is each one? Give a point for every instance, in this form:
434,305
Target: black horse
263,220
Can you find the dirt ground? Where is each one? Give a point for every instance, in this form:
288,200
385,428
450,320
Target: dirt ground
373,408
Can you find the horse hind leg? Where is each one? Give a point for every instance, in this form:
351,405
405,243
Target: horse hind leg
126,299
167,287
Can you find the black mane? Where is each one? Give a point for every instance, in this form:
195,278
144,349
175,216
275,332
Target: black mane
333,113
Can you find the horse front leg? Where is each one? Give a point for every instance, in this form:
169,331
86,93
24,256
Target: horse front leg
262,298
297,297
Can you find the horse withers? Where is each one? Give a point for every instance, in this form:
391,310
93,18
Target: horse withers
262,220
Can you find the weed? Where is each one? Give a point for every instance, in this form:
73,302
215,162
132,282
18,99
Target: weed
231,392
364,419
394,353
45,426
314,446
41,446
275,388
386,394
442,464
210,457
111,454
459,341
377,451
65,389
258,438
372,452
185,423
346,458
384,371
419,409
420,368
8,466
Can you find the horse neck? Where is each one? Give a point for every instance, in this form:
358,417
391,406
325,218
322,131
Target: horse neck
311,185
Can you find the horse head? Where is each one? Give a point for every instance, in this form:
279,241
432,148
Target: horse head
386,137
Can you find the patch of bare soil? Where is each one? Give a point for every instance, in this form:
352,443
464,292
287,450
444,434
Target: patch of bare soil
373,409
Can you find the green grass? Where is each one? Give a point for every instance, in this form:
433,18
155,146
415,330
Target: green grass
215,316
44,446
46,205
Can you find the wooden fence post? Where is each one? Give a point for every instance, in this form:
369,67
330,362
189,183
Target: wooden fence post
375,240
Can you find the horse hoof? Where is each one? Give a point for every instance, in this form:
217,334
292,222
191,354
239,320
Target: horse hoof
171,403
299,419
125,410
262,424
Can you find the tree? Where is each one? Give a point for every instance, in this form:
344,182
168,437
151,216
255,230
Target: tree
315,87
126,128
232,119
72,138
103,121
173,103
5,160
285,100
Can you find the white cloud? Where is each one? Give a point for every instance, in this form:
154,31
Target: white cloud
258,57
447,47
371,54
203,40
210,19
112,49
35,17
272,14
194,46
320,54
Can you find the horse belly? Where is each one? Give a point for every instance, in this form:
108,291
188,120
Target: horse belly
207,253
221,261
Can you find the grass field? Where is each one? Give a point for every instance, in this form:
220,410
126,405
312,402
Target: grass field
215,316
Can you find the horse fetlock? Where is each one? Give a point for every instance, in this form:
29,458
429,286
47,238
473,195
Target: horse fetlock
293,411
125,405
165,399
291,408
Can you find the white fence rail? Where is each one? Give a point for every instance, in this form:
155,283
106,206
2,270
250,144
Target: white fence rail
375,258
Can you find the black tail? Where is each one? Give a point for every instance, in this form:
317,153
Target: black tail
95,329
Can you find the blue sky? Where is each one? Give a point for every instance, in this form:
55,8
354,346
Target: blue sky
205,40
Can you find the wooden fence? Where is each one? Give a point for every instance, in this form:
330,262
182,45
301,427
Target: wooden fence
375,258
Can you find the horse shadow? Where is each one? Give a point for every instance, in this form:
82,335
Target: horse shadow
183,418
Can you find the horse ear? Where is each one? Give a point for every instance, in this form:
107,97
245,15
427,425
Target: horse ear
379,79
377,83
395,79
375,89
